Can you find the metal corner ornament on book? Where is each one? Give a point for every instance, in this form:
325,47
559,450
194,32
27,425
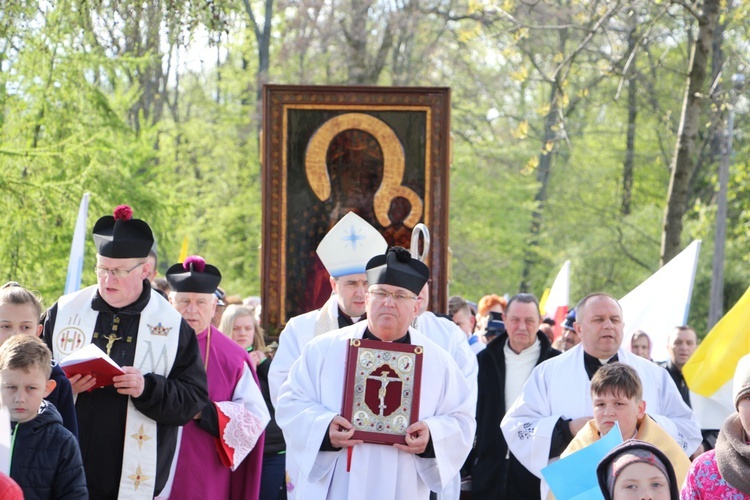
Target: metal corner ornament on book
381,390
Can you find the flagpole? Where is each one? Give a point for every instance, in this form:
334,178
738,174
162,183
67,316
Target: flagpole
75,263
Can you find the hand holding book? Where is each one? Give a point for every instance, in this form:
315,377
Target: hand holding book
90,361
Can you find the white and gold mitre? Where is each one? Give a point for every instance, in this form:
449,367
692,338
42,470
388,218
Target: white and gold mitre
349,245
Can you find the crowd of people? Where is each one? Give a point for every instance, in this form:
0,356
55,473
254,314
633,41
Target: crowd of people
370,396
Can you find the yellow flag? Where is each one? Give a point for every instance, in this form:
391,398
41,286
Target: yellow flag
713,363
184,249
543,301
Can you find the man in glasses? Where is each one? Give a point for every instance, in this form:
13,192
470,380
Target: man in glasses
332,464
128,431
344,252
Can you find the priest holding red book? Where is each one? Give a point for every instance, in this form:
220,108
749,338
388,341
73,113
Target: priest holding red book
221,450
128,431
335,462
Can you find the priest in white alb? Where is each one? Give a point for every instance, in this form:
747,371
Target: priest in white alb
556,401
344,251
332,464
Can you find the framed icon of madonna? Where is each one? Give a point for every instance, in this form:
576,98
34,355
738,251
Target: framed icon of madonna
381,152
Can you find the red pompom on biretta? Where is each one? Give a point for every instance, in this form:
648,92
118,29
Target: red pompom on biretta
122,236
123,212
194,263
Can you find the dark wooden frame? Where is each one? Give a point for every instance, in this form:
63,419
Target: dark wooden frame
282,104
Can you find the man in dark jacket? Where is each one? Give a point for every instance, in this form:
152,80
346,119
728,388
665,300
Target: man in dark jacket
504,366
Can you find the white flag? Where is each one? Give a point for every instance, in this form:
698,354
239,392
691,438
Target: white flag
75,264
558,300
662,302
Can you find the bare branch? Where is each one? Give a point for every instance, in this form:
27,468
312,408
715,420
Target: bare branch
610,12
690,8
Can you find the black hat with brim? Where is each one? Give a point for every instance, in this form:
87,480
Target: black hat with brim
193,276
122,237
397,268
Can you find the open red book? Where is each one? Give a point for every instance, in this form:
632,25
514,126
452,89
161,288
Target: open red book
91,360
381,390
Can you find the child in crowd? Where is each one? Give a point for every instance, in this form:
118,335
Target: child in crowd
45,459
19,313
724,472
617,394
637,470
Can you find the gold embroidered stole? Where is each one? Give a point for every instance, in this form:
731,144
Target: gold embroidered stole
155,352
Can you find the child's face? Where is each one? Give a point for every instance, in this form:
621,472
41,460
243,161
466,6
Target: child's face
641,480
743,408
610,408
23,392
18,318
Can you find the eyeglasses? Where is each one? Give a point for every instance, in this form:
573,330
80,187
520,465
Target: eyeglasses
115,273
380,296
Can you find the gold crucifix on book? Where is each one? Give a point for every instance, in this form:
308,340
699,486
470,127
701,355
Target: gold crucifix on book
111,338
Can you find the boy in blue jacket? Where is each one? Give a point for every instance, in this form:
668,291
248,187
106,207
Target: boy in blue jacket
45,459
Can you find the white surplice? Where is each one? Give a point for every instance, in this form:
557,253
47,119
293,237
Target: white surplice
452,339
312,396
560,387
298,331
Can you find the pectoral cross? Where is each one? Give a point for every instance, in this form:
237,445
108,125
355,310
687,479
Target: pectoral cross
111,338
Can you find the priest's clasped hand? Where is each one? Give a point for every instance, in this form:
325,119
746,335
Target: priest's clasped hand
130,384
417,438
340,431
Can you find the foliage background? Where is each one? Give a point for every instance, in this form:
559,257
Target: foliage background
154,103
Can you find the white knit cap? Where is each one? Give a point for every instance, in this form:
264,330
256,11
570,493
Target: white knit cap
741,386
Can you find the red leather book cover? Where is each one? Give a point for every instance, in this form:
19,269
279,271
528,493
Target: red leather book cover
381,389
91,360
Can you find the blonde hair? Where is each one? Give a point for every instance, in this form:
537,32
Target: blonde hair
23,352
13,293
234,311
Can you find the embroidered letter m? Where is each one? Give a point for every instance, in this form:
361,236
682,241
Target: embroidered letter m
160,366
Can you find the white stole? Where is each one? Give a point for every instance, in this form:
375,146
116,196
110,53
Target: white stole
155,352
328,318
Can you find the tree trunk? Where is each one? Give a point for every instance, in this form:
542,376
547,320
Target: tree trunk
627,167
263,40
683,164
542,176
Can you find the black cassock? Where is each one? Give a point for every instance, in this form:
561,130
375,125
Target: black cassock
171,402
